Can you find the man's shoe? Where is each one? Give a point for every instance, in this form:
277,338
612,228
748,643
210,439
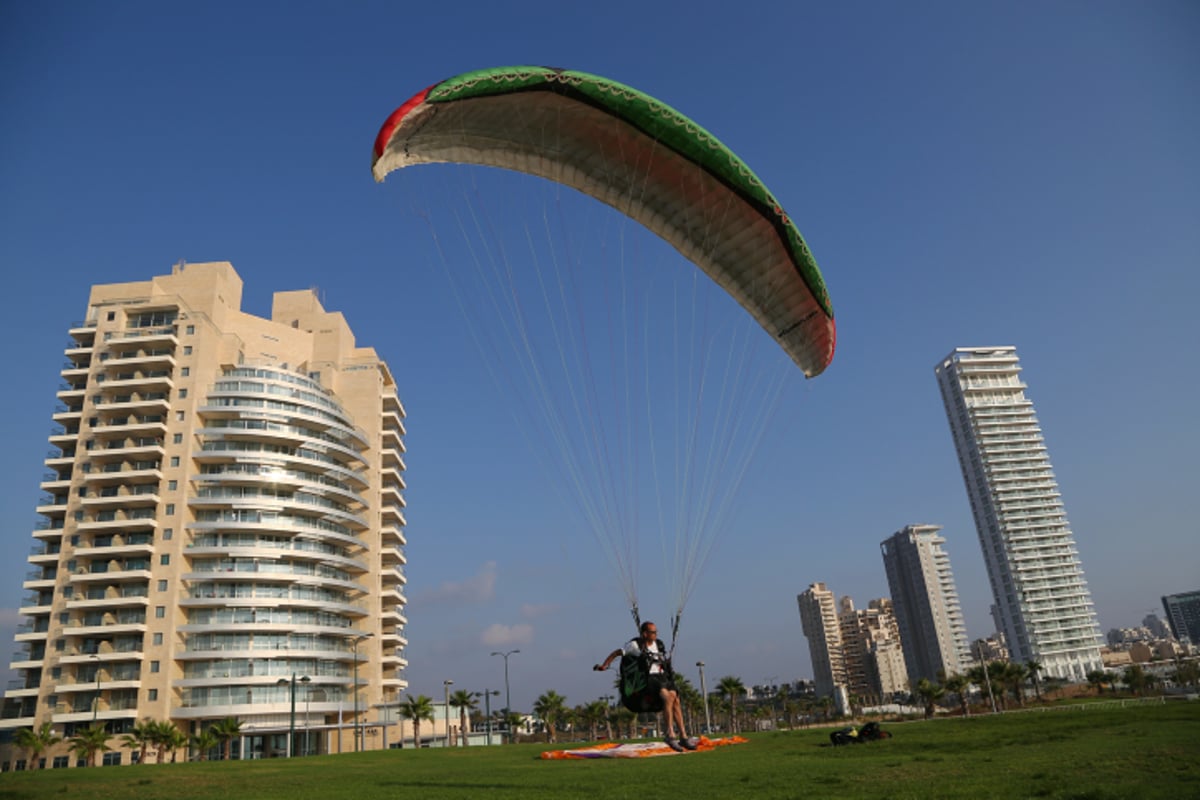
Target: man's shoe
690,744
674,745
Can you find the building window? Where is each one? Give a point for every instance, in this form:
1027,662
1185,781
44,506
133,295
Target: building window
177,439
112,759
158,640
187,349
186,371
170,509
168,533
154,666
152,695
182,394
160,612
179,416
164,559
172,485
162,586
191,329
174,461
61,762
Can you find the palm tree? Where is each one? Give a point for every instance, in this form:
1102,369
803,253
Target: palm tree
512,723
594,713
36,741
929,693
139,738
1014,679
628,720
417,708
162,737
174,739
1033,667
204,741
1187,673
464,701
957,684
89,741
1135,678
550,707
226,731
690,700
732,687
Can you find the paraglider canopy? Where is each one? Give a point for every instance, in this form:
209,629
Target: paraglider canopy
644,159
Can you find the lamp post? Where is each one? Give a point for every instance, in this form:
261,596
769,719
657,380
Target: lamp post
507,696
307,681
446,687
96,700
487,710
354,640
987,676
704,692
292,718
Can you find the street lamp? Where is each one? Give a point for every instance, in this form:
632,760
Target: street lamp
96,699
704,691
507,696
487,710
354,640
446,686
292,719
307,698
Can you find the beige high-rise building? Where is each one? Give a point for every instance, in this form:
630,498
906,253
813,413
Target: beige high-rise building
819,621
874,657
223,525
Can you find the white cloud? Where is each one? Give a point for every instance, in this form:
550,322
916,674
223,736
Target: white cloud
532,611
498,635
479,588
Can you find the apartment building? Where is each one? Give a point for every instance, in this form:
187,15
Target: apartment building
222,530
872,651
1042,602
819,621
928,613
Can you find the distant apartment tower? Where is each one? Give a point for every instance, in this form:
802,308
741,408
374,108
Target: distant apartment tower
1042,602
871,651
928,613
819,621
222,529
1183,615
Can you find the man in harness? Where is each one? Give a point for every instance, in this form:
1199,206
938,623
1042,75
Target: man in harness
648,684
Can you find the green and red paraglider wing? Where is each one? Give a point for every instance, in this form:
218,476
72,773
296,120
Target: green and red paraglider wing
644,159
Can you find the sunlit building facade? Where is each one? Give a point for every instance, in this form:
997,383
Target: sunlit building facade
1042,602
819,621
222,529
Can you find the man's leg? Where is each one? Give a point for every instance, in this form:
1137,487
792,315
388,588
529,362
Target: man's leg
668,711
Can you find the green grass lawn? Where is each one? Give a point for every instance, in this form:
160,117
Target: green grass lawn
1135,752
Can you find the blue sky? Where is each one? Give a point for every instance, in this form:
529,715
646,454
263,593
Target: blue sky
983,173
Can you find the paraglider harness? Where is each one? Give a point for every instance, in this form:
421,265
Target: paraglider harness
640,691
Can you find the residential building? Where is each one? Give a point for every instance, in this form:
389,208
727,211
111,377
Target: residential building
928,613
1042,602
872,651
223,523
819,621
1183,615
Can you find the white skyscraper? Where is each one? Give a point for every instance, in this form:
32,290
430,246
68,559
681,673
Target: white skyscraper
1042,602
